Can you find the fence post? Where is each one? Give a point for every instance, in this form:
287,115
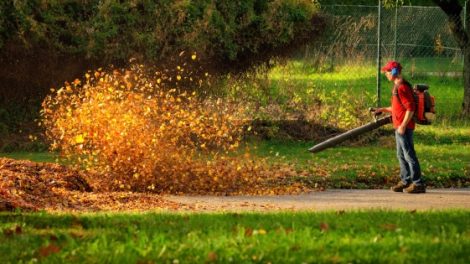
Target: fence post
396,31
379,53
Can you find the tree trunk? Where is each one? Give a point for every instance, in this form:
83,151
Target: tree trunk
453,9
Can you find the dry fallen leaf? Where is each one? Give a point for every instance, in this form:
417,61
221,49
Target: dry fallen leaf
48,250
212,256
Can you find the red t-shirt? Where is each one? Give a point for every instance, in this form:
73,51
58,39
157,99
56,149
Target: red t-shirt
404,91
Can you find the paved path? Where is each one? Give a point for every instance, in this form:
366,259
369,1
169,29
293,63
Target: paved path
434,199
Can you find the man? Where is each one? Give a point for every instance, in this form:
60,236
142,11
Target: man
402,109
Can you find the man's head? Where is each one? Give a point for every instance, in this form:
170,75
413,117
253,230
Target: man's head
392,70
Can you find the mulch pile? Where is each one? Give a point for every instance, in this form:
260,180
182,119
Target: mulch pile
32,186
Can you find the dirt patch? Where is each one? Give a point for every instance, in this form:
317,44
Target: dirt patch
33,186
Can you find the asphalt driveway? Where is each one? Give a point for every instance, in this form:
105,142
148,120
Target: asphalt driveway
334,199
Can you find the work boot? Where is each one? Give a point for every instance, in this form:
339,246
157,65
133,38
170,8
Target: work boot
399,187
413,188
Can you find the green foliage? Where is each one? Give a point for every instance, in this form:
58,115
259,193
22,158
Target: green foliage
6,22
114,31
344,109
386,3
291,92
44,43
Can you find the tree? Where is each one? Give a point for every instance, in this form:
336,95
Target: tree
453,9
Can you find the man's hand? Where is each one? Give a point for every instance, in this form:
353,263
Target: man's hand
379,110
401,130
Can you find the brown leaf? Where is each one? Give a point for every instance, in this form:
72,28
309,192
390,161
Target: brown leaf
324,227
248,232
8,232
212,256
389,227
289,230
295,247
18,230
48,250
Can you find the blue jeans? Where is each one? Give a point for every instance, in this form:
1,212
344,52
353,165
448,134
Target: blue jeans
410,171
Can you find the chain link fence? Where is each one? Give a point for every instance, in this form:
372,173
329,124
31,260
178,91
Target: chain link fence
418,37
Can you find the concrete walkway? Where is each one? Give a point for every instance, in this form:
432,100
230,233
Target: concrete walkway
434,199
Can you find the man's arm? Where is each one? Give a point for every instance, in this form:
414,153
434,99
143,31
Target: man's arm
383,109
408,115
405,94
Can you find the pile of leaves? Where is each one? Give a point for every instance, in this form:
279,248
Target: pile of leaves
35,186
133,133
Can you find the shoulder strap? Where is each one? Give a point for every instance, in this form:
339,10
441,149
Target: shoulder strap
395,91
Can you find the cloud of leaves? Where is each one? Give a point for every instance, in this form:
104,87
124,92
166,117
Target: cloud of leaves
124,126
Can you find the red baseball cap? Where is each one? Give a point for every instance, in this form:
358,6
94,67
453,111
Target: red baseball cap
391,65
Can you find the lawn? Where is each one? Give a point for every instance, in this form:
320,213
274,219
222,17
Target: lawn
32,156
297,77
443,151
327,237
437,144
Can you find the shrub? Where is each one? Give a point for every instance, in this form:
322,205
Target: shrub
44,43
228,33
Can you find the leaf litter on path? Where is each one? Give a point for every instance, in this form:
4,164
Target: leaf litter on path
35,186
32,186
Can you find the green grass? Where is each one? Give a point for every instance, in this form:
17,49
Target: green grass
297,77
443,148
444,154
32,156
344,237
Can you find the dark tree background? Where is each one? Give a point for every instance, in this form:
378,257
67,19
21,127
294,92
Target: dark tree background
44,43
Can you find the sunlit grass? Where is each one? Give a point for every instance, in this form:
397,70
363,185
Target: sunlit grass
361,79
444,154
371,236
32,156
299,70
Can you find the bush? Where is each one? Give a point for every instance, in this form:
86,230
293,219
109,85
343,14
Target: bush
113,31
44,43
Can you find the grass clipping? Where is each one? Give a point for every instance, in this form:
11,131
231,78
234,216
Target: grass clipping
134,135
